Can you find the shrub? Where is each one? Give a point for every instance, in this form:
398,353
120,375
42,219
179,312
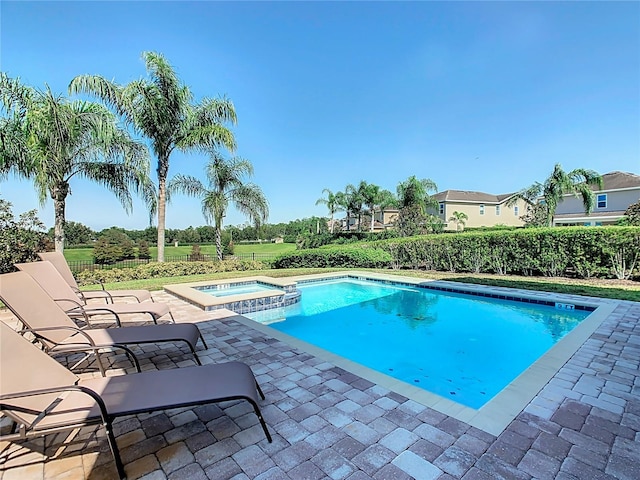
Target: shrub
166,269
572,251
20,240
345,257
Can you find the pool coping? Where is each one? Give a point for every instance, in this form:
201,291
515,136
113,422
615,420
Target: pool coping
498,412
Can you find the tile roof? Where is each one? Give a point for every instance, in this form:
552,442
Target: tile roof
617,180
469,196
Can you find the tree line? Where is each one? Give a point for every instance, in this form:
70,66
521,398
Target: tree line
80,235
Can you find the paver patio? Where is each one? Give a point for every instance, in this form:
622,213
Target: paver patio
329,423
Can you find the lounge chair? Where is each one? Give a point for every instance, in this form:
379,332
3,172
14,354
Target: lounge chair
41,396
52,282
58,261
57,333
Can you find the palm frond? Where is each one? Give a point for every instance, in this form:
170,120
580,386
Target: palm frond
185,184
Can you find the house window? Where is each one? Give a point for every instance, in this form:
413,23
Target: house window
481,209
602,200
441,209
516,210
498,210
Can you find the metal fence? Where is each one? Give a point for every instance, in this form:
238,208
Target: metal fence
81,265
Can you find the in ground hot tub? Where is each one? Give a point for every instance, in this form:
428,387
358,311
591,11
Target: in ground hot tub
243,295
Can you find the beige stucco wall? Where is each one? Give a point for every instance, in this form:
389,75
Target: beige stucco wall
490,218
616,201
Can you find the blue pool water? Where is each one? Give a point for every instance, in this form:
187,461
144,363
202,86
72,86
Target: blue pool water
225,291
460,347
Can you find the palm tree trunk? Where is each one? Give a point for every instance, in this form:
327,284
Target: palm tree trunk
59,194
163,167
219,242
332,224
58,229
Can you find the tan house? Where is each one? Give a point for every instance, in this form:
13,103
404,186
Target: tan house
482,209
382,220
619,190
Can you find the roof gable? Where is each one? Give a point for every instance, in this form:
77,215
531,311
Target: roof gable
619,180
470,196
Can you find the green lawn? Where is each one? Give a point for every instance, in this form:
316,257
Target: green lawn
86,254
616,289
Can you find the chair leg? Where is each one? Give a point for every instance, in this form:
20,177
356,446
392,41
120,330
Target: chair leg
259,391
195,355
262,422
132,357
114,449
99,361
203,342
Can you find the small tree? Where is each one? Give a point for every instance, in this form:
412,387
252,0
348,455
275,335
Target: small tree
20,240
196,255
434,224
536,215
229,248
112,246
411,220
631,215
105,253
143,250
460,219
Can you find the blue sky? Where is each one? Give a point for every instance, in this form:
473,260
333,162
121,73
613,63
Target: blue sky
483,96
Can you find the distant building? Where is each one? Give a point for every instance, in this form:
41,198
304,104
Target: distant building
619,190
482,209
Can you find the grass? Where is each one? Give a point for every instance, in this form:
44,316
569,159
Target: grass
615,289
86,254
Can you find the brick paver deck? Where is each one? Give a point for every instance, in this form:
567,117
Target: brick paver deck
329,423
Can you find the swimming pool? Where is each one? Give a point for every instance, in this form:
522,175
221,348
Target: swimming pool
466,349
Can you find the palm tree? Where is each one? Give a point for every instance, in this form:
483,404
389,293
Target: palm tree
577,182
413,192
459,218
13,98
353,203
375,197
50,139
161,109
226,186
332,201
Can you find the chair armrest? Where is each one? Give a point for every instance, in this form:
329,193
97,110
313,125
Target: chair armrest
47,391
106,294
78,330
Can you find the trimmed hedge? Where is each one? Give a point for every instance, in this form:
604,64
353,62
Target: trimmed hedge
605,252
166,269
341,257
